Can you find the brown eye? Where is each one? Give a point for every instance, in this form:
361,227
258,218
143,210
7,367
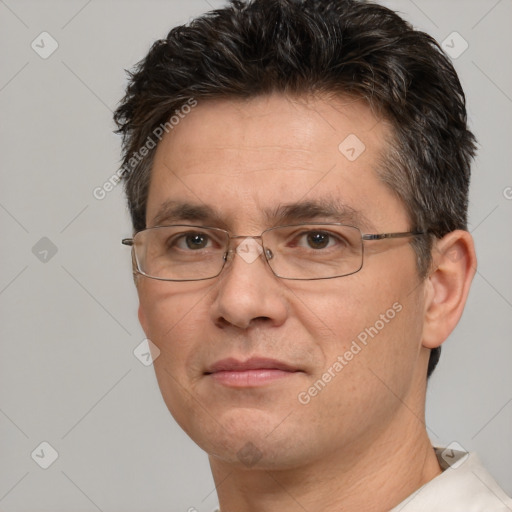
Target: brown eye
196,241
190,241
318,239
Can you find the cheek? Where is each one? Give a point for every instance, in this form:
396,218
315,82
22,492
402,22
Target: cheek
364,325
171,315
368,366
339,311
172,321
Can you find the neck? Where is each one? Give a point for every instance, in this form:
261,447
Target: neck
354,478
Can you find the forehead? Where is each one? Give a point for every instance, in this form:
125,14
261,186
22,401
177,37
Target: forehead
245,158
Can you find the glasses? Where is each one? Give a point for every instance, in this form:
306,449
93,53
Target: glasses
299,251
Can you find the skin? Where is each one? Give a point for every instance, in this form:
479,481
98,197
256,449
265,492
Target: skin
361,443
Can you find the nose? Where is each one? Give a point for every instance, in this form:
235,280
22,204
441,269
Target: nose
247,292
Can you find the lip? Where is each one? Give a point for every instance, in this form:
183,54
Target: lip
254,363
256,371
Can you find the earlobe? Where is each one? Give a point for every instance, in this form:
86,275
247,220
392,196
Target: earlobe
454,266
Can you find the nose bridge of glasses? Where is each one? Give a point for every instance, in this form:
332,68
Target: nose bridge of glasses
248,247
240,237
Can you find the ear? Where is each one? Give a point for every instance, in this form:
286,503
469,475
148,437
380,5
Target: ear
447,286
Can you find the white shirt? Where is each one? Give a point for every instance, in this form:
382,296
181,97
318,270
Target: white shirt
463,486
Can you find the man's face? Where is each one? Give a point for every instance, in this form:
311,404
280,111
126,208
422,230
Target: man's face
247,161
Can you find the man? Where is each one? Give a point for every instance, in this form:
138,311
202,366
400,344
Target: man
297,175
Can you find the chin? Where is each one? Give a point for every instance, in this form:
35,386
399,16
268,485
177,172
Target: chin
253,439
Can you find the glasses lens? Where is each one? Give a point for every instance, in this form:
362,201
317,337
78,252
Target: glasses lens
314,251
180,253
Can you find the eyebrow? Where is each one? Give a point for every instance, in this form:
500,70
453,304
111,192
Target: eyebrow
178,211
324,209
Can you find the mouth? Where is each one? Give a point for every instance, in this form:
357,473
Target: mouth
254,372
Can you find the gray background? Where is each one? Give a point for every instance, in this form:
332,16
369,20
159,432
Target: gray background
68,375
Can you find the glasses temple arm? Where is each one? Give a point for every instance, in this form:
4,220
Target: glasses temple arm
381,236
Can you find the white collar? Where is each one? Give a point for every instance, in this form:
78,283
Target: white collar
463,486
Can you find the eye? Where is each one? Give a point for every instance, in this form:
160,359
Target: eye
196,241
318,239
190,241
